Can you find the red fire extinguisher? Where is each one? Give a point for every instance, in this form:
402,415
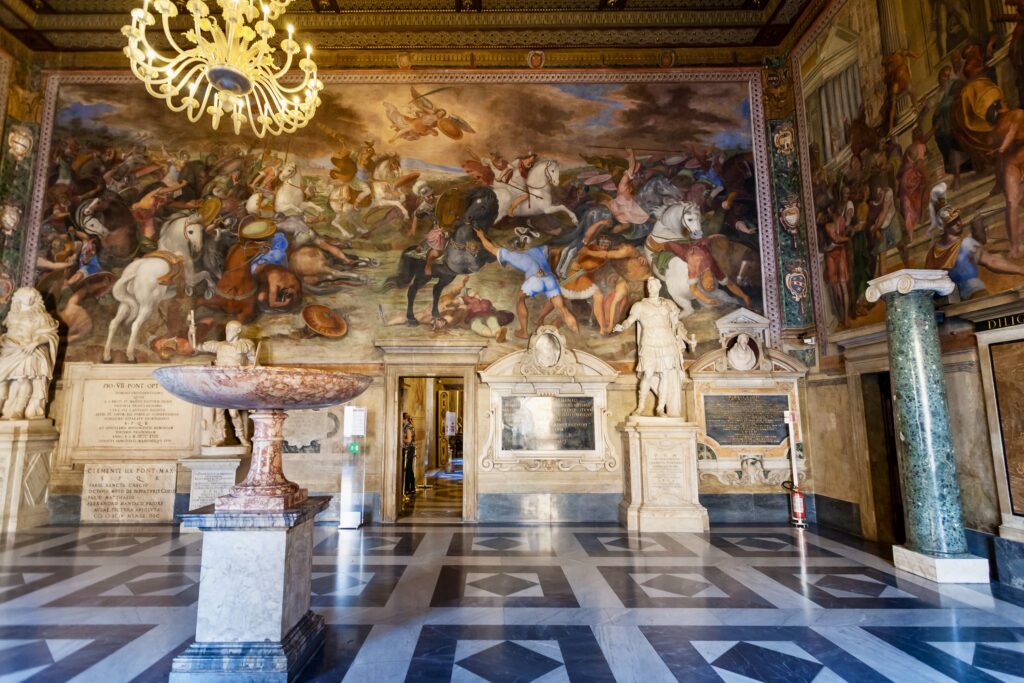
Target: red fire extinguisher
798,516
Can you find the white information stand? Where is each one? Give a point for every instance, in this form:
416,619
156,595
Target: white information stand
353,469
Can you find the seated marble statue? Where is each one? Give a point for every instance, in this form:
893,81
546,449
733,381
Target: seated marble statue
234,351
27,353
659,358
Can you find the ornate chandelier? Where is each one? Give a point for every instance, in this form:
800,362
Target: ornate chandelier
225,68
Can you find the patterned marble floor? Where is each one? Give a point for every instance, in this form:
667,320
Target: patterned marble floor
440,601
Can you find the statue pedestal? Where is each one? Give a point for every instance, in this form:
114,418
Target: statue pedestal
253,622
25,448
661,494
213,475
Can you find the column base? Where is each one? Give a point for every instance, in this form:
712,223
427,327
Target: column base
642,518
25,448
958,569
256,662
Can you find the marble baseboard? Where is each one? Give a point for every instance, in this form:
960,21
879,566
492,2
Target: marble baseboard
1009,556
66,509
837,514
651,518
752,508
548,507
962,569
256,662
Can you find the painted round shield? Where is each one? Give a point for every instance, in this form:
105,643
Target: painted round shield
256,229
324,321
449,128
674,160
209,210
449,208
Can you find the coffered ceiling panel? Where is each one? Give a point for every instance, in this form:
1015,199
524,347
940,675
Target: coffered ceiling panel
595,31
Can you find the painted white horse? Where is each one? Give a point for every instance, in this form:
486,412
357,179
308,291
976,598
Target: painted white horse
385,173
681,223
675,222
288,199
149,280
531,197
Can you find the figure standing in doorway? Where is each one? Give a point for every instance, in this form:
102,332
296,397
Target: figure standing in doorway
408,456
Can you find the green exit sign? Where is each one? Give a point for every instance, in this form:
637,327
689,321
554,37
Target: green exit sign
354,447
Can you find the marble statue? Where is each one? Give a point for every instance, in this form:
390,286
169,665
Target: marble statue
742,356
660,338
28,351
234,351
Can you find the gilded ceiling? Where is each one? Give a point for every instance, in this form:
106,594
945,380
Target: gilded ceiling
458,33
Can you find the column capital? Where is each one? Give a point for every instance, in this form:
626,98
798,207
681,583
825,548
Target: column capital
910,280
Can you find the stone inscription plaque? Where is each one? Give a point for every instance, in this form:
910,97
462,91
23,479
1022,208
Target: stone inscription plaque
746,419
210,484
135,415
547,423
665,473
128,492
1008,373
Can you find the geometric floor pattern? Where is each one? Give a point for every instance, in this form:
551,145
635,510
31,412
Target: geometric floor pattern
436,600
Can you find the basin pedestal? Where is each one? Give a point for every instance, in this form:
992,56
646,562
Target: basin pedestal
253,622
265,489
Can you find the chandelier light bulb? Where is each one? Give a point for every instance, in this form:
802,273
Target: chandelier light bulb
225,66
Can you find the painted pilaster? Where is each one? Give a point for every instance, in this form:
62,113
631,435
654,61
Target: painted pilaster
789,225
931,492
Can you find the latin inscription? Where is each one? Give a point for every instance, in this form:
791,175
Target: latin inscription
133,414
209,485
1008,373
547,423
1000,322
128,492
746,419
665,474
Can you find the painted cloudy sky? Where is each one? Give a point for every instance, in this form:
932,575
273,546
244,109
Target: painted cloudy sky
558,120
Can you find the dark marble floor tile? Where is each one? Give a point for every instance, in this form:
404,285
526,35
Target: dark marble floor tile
143,586
502,586
17,580
23,539
345,543
507,654
963,653
357,585
853,587
501,544
632,545
787,654
45,654
160,671
766,545
107,544
680,587
341,645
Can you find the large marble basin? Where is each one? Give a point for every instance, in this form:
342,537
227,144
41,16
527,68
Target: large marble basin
261,387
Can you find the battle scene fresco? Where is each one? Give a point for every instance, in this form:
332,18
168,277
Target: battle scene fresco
433,210
913,114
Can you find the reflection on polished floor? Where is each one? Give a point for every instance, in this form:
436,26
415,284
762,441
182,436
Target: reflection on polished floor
440,499
440,601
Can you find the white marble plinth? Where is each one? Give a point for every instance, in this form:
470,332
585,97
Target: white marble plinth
253,621
213,475
661,491
961,569
25,449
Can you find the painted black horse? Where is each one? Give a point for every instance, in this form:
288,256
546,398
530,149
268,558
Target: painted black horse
463,255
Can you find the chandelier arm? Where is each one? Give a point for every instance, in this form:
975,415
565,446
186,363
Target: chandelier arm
167,33
201,109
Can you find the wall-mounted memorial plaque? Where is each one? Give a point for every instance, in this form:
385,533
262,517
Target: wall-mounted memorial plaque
547,423
746,419
118,413
1008,375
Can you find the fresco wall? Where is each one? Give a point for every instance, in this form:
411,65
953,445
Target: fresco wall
318,241
913,115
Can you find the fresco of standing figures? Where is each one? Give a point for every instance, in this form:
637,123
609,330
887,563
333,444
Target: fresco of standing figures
914,112
427,210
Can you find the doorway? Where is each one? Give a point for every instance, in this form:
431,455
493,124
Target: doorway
886,492
430,453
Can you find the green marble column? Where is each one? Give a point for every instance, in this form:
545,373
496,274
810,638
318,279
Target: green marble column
931,493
